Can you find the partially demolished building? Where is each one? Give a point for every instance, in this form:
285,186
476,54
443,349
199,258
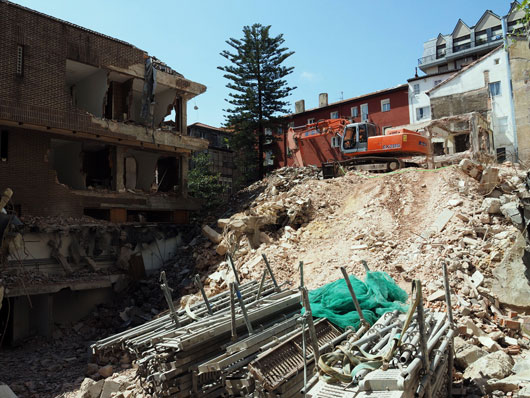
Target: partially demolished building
81,121
85,131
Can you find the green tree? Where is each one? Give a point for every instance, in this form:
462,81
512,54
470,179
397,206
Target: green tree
256,77
203,183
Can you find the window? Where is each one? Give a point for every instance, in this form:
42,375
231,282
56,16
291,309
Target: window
416,89
335,142
422,113
354,111
436,82
495,89
443,68
334,115
311,120
364,111
385,105
3,145
385,128
496,60
501,155
20,60
268,131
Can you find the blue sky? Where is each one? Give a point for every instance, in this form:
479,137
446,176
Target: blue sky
344,48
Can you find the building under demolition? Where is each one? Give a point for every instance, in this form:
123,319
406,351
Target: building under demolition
85,131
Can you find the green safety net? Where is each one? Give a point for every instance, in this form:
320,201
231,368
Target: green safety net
377,295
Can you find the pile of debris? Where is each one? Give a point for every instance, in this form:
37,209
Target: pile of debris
472,217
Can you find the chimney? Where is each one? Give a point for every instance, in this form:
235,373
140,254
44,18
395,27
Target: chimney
299,106
322,100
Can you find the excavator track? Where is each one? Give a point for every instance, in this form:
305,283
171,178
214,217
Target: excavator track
369,163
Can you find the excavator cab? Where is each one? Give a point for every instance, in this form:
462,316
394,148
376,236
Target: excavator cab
355,137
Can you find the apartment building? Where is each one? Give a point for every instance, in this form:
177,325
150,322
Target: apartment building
221,156
91,127
82,123
465,44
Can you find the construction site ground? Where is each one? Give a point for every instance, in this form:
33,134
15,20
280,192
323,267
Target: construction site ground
403,223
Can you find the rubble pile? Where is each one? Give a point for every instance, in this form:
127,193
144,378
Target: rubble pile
406,223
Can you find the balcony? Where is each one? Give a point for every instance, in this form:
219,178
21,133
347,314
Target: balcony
442,56
461,47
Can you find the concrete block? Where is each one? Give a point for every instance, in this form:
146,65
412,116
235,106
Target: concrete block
491,205
211,234
110,387
438,295
490,344
494,365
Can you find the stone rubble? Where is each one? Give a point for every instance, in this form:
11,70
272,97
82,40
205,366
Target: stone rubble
404,223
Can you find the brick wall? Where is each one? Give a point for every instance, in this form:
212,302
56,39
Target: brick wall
398,115
31,178
47,44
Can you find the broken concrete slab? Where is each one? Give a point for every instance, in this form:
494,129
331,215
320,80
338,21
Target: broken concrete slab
489,180
466,354
511,271
90,388
491,205
494,365
110,387
436,296
471,168
511,211
489,343
510,383
212,234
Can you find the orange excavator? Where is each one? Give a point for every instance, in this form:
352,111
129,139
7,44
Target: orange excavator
338,143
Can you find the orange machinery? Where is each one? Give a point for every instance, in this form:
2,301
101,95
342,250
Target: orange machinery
338,142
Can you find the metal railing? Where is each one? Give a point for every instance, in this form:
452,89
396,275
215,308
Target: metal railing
441,55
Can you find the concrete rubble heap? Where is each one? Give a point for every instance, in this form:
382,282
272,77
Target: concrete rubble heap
472,217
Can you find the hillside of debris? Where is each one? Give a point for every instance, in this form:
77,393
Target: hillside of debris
405,223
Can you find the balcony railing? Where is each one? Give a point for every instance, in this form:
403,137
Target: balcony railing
461,47
449,51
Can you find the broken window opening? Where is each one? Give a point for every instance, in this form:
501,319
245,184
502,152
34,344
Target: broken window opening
117,100
177,107
97,166
501,155
4,145
98,214
167,174
461,142
438,148
88,86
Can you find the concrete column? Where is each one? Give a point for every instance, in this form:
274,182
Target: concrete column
42,314
184,166
120,168
184,116
19,319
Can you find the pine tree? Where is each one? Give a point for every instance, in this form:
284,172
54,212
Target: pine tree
257,80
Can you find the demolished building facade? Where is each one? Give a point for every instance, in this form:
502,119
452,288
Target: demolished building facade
81,123
97,170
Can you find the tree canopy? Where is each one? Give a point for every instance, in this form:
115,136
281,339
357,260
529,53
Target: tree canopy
256,77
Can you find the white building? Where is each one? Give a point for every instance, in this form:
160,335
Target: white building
419,101
466,44
482,86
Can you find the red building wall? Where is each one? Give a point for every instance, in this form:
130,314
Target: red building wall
397,115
